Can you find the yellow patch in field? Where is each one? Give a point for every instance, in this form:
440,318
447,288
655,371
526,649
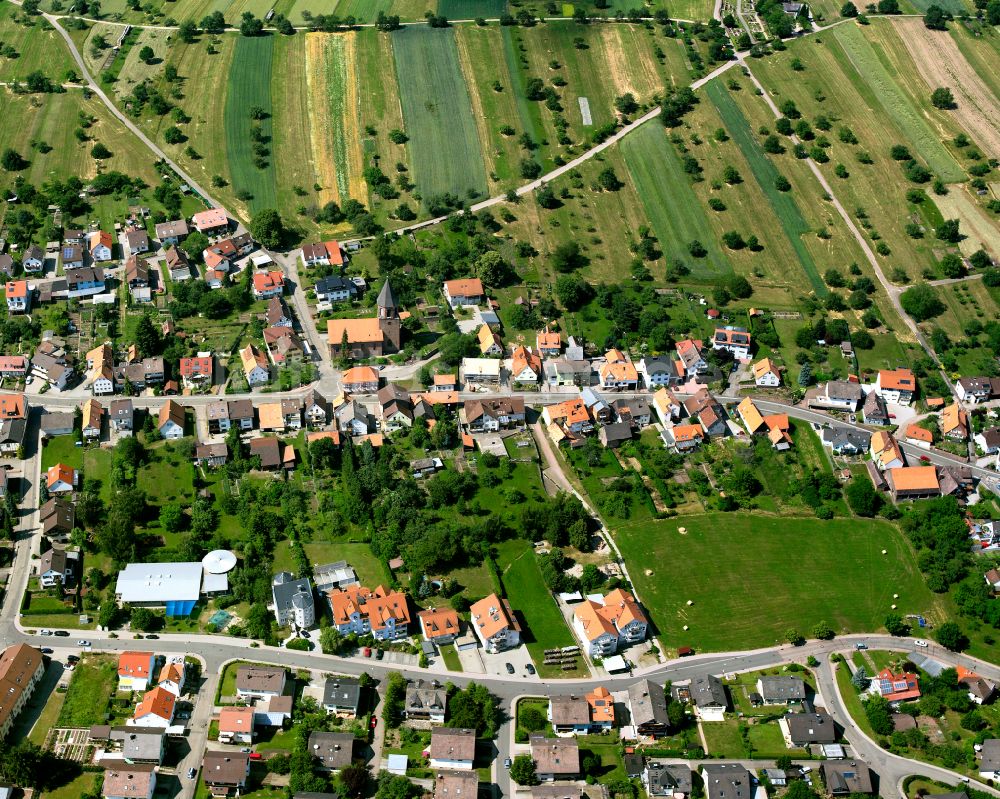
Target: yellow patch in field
351,125
630,64
320,140
978,229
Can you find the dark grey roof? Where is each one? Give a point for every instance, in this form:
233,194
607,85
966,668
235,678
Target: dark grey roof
423,697
289,594
335,750
838,437
783,688
386,297
844,389
342,693
727,781
12,431
56,421
846,776
811,728
332,283
666,779
648,703
139,743
708,691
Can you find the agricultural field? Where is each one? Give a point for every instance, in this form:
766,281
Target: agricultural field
134,70
470,9
980,46
443,141
978,227
765,595
39,47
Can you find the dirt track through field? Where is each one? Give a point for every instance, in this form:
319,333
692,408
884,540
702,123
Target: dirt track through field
941,63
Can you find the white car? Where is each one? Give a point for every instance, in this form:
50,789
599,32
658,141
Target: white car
45,632
83,642
922,644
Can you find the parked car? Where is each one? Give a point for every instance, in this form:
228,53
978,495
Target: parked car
152,637
47,650
374,722
508,763
72,658
45,632
379,654
921,644
62,633
367,652
509,667
256,756
191,773
861,645
530,668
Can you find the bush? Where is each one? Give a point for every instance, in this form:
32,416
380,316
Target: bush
921,302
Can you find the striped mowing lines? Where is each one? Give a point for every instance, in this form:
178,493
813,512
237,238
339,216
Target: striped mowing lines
670,203
249,86
764,171
896,104
444,146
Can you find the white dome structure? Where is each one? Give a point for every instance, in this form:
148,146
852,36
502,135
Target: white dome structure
219,561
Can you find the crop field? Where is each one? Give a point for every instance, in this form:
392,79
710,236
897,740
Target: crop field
746,594
896,103
941,63
951,6
250,85
674,210
470,9
978,229
379,108
782,203
333,100
980,45
38,47
444,145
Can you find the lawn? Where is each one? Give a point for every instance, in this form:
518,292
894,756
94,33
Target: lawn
674,211
87,784
545,626
723,739
764,171
450,657
47,718
91,687
764,739
95,463
444,146
250,86
767,592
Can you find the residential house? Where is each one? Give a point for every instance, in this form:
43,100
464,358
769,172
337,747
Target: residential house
316,408
980,690
481,371
354,419
136,272
170,422
168,233
885,452
100,370
135,670
155,709
293,601
172,677
896,688
525,366
396,407
14,366
72,257
707,411
919,436
672,780
974,390
766,374
368,338
6,265
955,422
360,380
439,625
548,343
331,751
122,416
781,689
334,288
57,567
751,416
602,709
873,410
33,260
342,696
667,406
647,703
491,415
274,711
989,764
684,437
494,623
463,292
660,371
913,482
452,748
734,340
267,284
605,624
177,264
277,314
211,454
555,758
197,372
571,416
448,382
566,372
838,395
211,222
236,725
846,777
225,773
255,367
325,253
691,357
728,781
779,430
273,454
456,785
618,373
635,412
21,669
52,370
57,518
993,579
490,343
709,697
897,386
61,479
805,729
18,296
426,701
137,240
988,441
140,745
382,612
260,682
100,245
129,781
569,714
846,441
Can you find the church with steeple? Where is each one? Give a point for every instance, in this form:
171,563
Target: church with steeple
367,338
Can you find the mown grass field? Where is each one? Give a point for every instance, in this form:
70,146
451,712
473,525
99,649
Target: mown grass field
444,145
134,70
38,46
981,48
250,85
963,302
785,207
674,210
883,65
470,9
747,587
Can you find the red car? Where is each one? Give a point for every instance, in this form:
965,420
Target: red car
924,459
256,756
367,652
374,722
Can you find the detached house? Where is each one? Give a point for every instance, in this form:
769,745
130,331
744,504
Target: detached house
689,353
491,415
255,367
211,222
873,411
171,232
781,689
93,420
316,408
170,421
236,725
34,260
464,292
974,390
326,253
897,386
18,296
955,422
268,284
734,340
177,264
555,758
525,366
647,703
137,241
61,479
384,613
570,416
490,344
334,288
618,373
667,406
426,702
766,374
197,372
838,395
709,697
135,670
605,626
660,371
156,709
895,688
452,748
496,627
100,246
360,380
548,343
885,452
57,567
439,625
